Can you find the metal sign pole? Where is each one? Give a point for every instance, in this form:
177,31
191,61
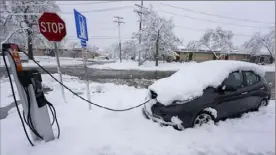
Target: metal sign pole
58,69
82,34
84,50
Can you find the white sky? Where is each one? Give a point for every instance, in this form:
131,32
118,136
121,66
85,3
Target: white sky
101,23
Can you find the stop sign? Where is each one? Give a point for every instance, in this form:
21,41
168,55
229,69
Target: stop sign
52,26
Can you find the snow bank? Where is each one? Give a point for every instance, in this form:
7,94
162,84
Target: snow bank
6,97
191,80
269,68
150,65
212,111
147,66
101,132
48,61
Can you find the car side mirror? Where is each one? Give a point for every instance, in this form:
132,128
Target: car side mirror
229,88
223,88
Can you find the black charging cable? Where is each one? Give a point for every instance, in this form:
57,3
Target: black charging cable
29,118
86,100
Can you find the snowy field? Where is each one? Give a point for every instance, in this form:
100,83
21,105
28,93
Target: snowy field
150,65
269,68
6,97
101,132
47,61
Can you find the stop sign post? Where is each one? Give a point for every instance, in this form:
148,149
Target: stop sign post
53,28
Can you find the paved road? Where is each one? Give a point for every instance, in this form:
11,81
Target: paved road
131,77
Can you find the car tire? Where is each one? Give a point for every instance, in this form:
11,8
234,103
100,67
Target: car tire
203,117
263,103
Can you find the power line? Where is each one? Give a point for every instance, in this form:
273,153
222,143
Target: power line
97,36
215,15
140,13
103,10
61,4
211,21
101,38
100,10
89,3
119,22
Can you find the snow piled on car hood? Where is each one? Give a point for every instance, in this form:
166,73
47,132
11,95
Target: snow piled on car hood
192,79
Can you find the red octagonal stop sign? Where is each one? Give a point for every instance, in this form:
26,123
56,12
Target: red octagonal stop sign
52,26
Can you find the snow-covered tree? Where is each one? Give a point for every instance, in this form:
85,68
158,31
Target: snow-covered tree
112,51
258,41
217,40
129,49
193,45
92,48
24,15
158,37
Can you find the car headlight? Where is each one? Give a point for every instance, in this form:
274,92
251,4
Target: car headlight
153,94
183,101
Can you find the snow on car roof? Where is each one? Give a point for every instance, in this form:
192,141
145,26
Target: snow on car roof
193,78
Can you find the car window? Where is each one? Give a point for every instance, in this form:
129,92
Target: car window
251,78
235,80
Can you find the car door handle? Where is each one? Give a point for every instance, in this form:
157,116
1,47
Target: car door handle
262,88
244,93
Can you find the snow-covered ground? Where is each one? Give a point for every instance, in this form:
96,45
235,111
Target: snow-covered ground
6,97
101,132
49,61
269,68
150,65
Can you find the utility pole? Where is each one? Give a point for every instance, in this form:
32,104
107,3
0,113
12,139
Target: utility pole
157,48
140,13
118,21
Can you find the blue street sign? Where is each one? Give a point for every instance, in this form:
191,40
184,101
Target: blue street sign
83,43
81,26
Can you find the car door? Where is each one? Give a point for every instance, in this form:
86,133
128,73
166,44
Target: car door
228,101
254,91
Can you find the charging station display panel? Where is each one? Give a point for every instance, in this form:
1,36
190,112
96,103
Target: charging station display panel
14,52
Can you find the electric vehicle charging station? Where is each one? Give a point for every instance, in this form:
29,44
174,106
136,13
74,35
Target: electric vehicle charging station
29,86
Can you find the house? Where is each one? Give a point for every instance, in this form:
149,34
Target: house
189,55
75,53
205,55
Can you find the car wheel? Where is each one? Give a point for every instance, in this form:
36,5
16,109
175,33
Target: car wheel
204,117
263,103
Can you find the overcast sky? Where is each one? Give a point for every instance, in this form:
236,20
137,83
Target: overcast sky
101,23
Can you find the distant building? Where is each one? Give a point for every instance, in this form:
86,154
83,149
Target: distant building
205,55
